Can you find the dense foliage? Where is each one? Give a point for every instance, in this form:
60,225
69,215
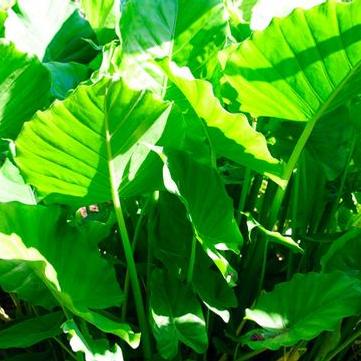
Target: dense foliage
177,185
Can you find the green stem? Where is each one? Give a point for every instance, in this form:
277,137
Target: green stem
192,260
290,166
243,198
264,264
344,345
134,244
133,276
128,251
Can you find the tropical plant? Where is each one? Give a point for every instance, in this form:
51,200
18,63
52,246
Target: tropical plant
178,185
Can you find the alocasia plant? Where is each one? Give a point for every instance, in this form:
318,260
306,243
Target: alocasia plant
176,185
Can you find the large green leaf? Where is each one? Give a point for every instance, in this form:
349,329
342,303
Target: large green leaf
172,244
24,89
36,239
189,32
176,316
281,74
230,133
79,149
29,332
13,187
302,308
51,29
210,209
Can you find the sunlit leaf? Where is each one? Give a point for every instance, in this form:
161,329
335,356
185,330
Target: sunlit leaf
51,29
13,187
77,142
25,86
281,74
36,241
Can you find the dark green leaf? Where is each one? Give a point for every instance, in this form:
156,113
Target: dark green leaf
302,308
29,332
176,316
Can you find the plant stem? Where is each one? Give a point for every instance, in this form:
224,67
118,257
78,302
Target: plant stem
128,251
344,345
133,276
290,166
192,261
134,244
244,192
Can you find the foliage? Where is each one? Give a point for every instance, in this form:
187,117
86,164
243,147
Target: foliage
176,185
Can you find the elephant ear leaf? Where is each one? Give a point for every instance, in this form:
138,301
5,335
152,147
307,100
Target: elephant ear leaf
80,147
300,67
302,308
43,259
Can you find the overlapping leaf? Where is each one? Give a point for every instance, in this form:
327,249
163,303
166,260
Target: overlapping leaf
300,67
81,147
188,32
210,210
13,187
63,39
29,332
288,314
230,133
176,316
37,243
25,86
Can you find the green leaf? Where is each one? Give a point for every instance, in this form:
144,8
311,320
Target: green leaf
101,13
344,254
210,210
13,187
94,350
190,33
281,74
25,85
273,236
39,241
331,141
302,308
176,316
73,42
172,244
82,147
3,16
29,332
66,76
211,287
51,29
231,134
